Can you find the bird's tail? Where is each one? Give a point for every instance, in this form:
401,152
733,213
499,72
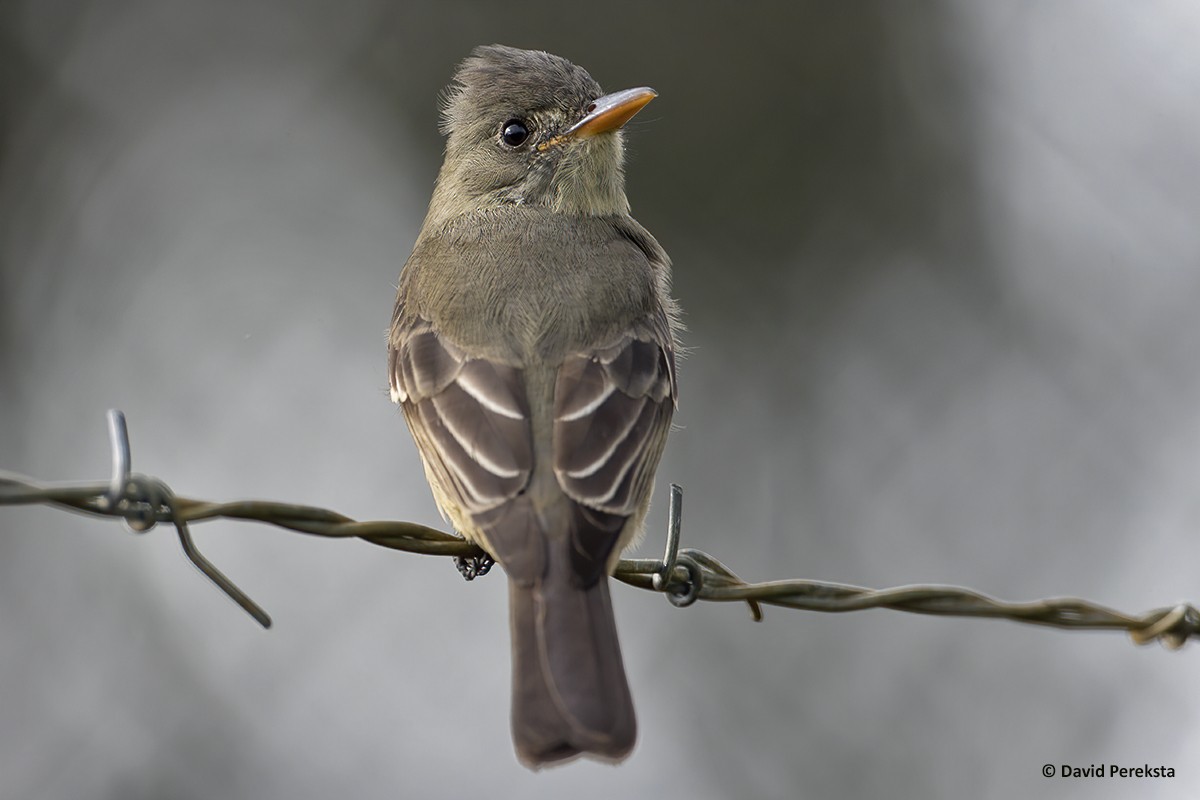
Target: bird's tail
570,695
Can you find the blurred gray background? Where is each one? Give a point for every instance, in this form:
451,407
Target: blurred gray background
940,263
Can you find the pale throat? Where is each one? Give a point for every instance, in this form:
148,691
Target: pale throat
589,198
591,181
588,181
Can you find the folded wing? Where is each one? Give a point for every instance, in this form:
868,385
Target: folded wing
470,417
612,413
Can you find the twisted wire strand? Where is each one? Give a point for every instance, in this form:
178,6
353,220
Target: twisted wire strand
684,575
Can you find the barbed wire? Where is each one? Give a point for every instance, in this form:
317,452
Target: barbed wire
684,575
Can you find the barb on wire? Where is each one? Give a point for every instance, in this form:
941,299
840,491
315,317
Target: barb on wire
684,575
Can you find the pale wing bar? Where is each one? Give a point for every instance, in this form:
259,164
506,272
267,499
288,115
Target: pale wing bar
612,411
470,416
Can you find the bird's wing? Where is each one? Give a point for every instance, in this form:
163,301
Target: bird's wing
471,420
470,417
612,412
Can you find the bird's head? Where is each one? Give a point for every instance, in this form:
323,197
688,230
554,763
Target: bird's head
526,127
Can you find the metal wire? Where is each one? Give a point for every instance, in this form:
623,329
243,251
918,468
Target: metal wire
683,575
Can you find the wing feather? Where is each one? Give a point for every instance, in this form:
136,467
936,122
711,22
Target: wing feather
612,412
470,417
472,422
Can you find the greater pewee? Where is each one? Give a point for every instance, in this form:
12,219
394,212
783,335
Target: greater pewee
532,351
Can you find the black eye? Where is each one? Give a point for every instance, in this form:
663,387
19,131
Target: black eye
515,133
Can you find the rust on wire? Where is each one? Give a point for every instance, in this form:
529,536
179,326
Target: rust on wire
684,575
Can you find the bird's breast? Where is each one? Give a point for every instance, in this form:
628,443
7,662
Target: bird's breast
528,285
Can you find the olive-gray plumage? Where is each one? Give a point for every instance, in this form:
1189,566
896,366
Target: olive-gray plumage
532,351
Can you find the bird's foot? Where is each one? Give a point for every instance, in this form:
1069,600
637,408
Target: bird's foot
471,567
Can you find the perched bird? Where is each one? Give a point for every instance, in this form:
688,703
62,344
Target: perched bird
532,351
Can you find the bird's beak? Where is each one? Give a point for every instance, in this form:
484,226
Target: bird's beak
612,111
606,113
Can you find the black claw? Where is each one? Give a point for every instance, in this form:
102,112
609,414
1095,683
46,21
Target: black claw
471,567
